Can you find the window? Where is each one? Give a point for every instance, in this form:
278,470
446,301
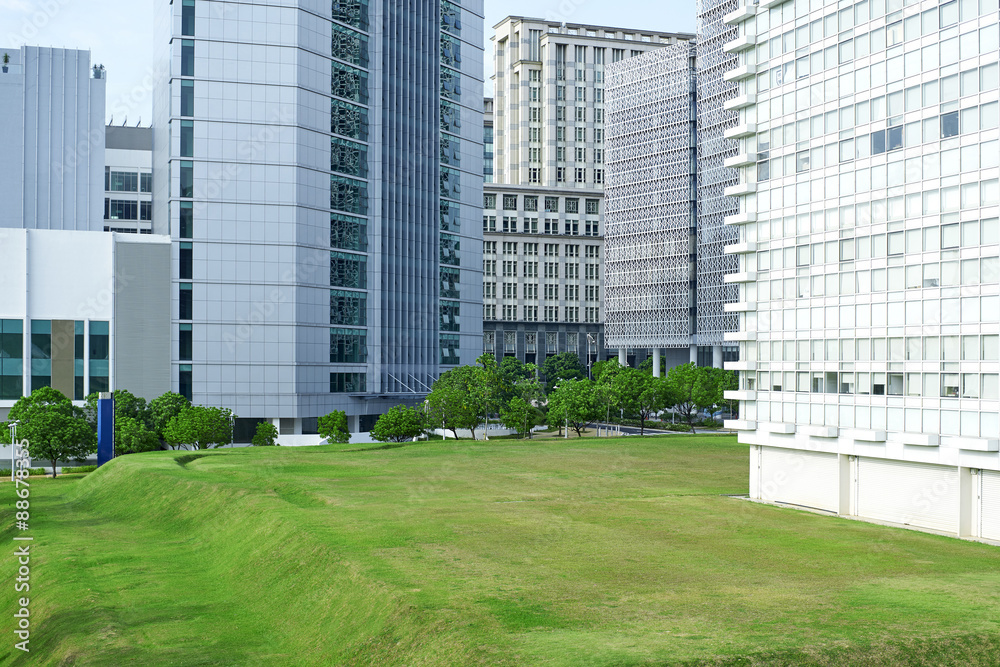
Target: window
572,292
593,252
187,138
117,209
187,57
560,113
489,267
187,97
531,225
591,228
510,268
551,270
489,223
145,182
186,301
580,174
581,133
489,201
592,314
145,210
598,176
185,342
509,312
580,114
593,206
561,174
572,227
552,204
509,248
186,181
593,272
593,293
551,313
561,93
534,175
12,359
531,269
489,290
572,314
581,94
346,383
581,154
509,224
531,249
122,181
573,270
531,291
187,17
510,202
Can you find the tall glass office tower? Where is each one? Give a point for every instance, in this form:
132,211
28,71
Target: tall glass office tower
320,169
869,258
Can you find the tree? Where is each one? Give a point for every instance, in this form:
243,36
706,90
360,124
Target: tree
164,408
605,371
639,394
575,402
333,427
133,422
729,381
133,436
565,366
512,372
266,435
55,429
200,427
399,424
491,388
520,416
454,401
689,388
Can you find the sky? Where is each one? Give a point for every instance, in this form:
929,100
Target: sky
119,34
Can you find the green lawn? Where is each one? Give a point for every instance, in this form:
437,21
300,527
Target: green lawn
562,552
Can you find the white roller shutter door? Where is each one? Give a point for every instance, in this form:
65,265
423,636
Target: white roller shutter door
989,505
810,479
914,494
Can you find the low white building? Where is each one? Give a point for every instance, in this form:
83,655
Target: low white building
83,312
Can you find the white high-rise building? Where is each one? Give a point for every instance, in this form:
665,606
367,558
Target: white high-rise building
869,251
319,168
52,140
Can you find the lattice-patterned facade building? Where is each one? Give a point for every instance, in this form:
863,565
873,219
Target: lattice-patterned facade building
669,150
651,203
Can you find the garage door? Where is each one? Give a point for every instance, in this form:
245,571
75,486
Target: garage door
989,508
914,494
810,479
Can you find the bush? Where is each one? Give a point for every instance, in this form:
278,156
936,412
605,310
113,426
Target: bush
5,474
79,469
399,424
266,435
709,423
678,427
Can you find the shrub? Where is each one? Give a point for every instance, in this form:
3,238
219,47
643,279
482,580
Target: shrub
266,435
79,469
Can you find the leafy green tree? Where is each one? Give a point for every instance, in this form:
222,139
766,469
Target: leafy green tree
333,427
127,406
575,402
399,424
565,366
491,389
729,381
55,429
455,400
639,394
265,436
520,416
689,388
164,408
200,427
133,436
605,371
512,372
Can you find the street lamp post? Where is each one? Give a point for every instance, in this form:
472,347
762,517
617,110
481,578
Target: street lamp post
13,447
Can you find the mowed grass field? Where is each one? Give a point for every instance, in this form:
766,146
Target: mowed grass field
564,552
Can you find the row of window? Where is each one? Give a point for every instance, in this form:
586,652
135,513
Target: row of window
927,312
550,249
509,313
579,134
551,341
837,23
896,348
127,181
984,386
551,291
530,203
530,269
42,343
116,209
549,226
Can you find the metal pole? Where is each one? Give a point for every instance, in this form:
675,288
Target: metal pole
13,439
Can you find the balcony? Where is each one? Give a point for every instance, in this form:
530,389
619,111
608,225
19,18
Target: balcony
819,431
740,248
740,307
739,336
741,102
740,73
865,434
740,219
778,427
742,277
739,425
740,189
740,365
741,160
741,43
740,15
740,131
740,395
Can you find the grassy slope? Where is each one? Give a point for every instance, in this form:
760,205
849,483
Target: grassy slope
578,552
